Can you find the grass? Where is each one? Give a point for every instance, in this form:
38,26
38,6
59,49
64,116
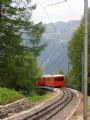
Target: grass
89,105
8,96
36,99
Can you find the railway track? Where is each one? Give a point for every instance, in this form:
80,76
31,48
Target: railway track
55,106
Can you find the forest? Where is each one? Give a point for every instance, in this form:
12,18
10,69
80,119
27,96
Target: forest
19,68
18,56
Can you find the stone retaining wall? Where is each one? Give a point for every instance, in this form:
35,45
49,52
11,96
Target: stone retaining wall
15,107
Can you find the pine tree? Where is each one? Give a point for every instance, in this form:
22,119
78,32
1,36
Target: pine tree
14,19
75,50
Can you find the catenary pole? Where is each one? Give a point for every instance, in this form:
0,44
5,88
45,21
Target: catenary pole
85,58
82,72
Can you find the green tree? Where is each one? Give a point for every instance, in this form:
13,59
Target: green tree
75,55
16,59
35,39
75,49
29,72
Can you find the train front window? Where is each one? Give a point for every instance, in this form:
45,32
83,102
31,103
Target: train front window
60,79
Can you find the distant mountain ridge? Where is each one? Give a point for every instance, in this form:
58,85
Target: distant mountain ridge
54,57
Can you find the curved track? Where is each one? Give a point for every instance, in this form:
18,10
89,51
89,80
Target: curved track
47,112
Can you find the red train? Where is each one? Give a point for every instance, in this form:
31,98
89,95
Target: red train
51,80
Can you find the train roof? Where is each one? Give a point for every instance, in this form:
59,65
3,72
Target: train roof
53,75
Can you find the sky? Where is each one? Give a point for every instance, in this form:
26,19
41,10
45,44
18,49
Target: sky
65,11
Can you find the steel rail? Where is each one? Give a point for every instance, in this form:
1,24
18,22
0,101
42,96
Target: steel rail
46,107
53,108
61,106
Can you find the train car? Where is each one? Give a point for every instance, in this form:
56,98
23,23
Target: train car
41,82
52,80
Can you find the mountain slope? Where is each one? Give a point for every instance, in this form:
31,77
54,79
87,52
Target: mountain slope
54,57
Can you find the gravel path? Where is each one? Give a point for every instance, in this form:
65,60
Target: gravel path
79,113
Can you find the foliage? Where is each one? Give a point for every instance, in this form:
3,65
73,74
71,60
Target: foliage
88,105
40,98
66,80
75,50
75,55
18,65
29,73
7,96
35,39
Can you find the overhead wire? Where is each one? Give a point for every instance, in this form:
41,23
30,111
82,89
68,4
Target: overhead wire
50,20
49,16
56,3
